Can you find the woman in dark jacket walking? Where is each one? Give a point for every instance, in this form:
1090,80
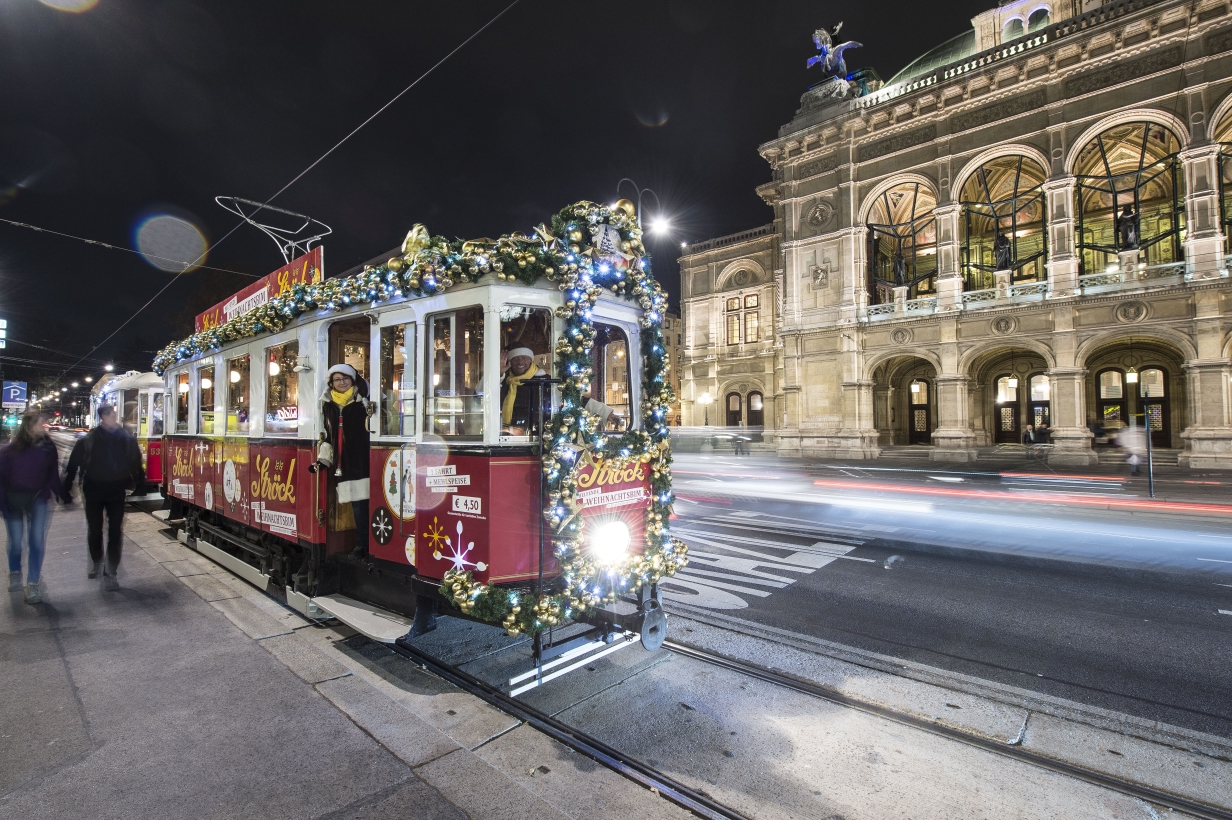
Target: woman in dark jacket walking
345,411
29,476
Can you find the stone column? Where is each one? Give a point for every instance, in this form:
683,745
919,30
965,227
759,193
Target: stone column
1062,256
1208,438
1203,232
953,439
858,437
882,395
949,256
1070,437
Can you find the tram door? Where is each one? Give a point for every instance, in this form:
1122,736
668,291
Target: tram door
1152,387
1006,423
349,343
919,420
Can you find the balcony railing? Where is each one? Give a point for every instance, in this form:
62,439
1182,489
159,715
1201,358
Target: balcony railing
1109,281
730,239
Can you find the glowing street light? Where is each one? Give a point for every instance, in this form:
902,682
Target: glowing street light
108,367
76,384
705,400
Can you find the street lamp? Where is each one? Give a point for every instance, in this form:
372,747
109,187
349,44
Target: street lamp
659,224
108,367
704,400
76,384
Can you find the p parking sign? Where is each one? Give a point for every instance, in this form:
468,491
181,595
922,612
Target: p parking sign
14,395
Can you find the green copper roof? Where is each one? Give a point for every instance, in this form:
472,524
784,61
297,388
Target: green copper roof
952,50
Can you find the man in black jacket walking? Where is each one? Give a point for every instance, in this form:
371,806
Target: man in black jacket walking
109,461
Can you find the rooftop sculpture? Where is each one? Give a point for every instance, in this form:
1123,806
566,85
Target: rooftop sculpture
830,56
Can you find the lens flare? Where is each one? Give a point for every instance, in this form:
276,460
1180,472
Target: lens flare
71,6
170,243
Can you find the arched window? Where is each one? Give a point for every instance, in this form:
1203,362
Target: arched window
1040,392
734,406
1007,392
1003,220
1223,136
1012,30
919,392
902,239
1130,196
1110,401
1038,19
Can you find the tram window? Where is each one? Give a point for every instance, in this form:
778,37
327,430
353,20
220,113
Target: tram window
205,401
237,394
398,385
181,403
611,375
143,414
281,390
156,413
455,360
130,411
526,342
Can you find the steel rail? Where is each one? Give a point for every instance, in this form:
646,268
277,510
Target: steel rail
575,739
787,681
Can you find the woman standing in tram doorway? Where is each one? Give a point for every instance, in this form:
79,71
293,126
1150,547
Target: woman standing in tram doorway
29,475
345,413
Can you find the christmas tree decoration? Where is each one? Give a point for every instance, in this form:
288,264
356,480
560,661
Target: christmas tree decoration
605,254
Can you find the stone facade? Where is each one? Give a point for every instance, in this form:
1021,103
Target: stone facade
948,260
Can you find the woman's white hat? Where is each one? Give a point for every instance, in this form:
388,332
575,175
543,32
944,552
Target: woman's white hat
344,369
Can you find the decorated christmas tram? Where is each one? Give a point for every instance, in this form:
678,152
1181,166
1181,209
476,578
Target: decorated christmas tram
477,428
138,400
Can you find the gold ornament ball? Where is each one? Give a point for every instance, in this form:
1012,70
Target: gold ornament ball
628,207
575,236
394,264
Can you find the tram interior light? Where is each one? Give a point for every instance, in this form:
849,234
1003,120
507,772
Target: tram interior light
206,384
235,377
183,387
274,369
609,542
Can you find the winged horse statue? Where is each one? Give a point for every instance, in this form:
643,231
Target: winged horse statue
831,56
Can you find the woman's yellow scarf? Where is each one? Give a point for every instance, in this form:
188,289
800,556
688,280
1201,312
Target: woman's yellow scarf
342,399
514,382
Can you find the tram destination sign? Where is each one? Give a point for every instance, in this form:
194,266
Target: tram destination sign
305,270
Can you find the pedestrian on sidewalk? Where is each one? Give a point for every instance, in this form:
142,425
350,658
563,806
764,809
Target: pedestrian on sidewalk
29,477
109,461
1132,440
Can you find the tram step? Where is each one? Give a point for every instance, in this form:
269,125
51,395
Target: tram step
243,569
366,619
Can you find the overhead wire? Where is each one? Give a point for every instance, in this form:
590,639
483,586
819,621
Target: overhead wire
109,246
300,175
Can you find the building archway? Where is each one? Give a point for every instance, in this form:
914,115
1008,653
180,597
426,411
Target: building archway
1010,389
902,242
1130,196
1004,221
905,408
1137,382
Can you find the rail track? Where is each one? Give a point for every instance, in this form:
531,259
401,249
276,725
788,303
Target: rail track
702,804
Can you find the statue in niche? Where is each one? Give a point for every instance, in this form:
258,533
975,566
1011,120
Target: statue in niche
830,56
1128,227
1003,251
900,268
821,274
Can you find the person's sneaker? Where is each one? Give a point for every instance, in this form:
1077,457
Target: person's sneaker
110,582
95,568
33,596
15,584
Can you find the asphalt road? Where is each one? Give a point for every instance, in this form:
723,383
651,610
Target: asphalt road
1062,592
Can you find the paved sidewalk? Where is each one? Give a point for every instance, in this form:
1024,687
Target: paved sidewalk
190,694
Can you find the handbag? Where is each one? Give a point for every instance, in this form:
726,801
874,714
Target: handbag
353,490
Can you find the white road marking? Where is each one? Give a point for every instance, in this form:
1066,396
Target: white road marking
760,593
693,572
1215,560
1223,585
1225,612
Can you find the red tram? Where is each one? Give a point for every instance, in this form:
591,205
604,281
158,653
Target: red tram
138,400
526,522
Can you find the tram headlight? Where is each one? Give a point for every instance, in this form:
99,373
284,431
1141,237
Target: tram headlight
609,542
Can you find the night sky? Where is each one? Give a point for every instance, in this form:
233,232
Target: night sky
132,109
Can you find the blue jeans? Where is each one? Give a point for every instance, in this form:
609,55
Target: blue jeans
17,522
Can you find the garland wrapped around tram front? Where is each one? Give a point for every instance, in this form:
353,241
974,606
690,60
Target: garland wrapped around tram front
586,249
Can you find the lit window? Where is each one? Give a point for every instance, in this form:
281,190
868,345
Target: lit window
282,390
205,401
237,394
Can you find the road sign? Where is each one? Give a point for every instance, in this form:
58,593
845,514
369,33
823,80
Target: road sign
14,395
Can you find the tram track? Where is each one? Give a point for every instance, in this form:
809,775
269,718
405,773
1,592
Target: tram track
701,804
1014,752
